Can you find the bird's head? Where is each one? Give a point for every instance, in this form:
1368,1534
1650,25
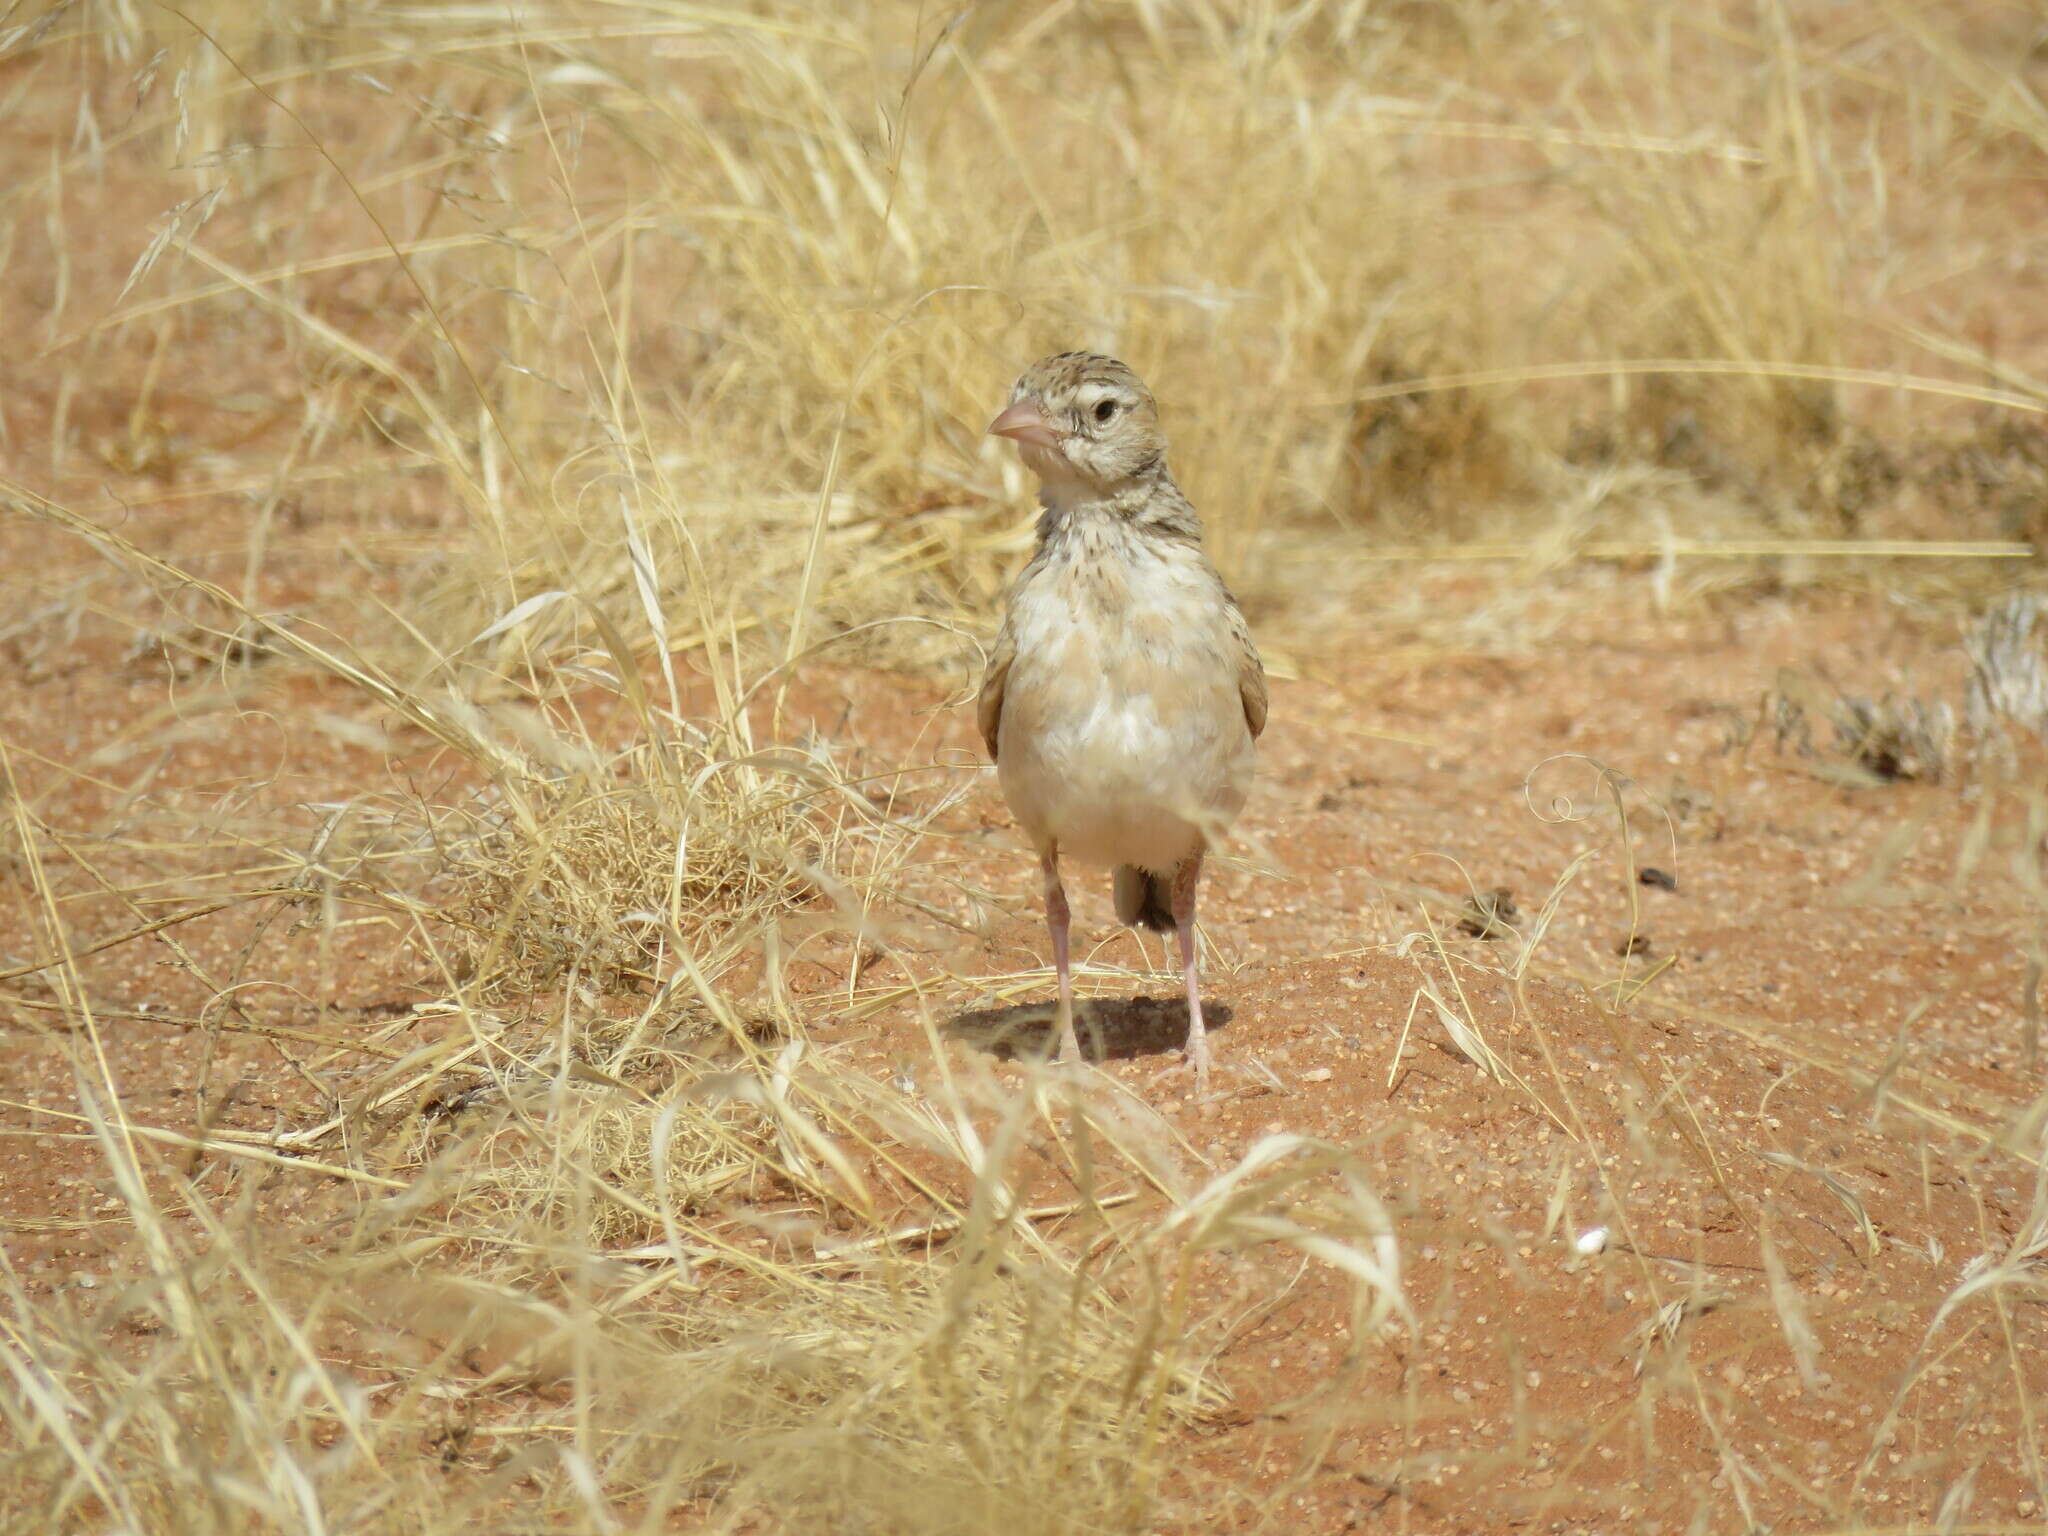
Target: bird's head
1085,420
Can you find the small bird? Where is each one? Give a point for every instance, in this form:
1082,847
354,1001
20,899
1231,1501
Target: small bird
1124,695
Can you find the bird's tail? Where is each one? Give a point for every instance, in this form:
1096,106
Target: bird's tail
1144,899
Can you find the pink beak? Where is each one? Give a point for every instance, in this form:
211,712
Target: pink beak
1024,422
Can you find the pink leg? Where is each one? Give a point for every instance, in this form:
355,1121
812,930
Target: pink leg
1057,915
1184,880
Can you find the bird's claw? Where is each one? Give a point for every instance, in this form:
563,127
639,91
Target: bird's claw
1200,1067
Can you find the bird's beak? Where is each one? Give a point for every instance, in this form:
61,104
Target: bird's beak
1024,422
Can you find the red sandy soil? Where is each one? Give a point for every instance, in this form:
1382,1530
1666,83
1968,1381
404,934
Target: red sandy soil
1733,1087
1738,1080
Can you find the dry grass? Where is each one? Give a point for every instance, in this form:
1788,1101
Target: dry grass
584,880
659,340
739,290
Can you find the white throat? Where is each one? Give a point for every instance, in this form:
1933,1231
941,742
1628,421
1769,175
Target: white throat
1061,487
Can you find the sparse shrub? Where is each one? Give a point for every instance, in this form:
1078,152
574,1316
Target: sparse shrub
593,878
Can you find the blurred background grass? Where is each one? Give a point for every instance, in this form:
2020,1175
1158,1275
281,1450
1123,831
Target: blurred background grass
754,278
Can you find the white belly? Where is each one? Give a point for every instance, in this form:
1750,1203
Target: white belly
1123,747
1122,737
1110,785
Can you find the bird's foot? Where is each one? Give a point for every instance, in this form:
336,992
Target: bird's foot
1199,1065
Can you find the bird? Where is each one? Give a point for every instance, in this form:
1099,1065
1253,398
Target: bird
1123,698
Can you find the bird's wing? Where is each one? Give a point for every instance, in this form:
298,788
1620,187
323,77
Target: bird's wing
1251,672
988,708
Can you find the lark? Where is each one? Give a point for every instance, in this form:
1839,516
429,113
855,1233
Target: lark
1124,697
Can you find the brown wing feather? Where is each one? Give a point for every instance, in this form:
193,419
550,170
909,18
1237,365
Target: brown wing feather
1251,673
988,708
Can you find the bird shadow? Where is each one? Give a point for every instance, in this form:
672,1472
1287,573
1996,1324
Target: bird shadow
1110,1028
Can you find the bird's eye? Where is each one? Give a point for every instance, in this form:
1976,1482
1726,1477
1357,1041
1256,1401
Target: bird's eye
1104,409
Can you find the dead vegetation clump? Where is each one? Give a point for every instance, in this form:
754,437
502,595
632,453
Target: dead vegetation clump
584,1168
979,1393
1429,466
593,880
1995,477
750,1325
1999,721
2008,686
989,1391
1882,740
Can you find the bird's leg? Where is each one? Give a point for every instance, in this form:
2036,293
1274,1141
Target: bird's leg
1184,880
1056,917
